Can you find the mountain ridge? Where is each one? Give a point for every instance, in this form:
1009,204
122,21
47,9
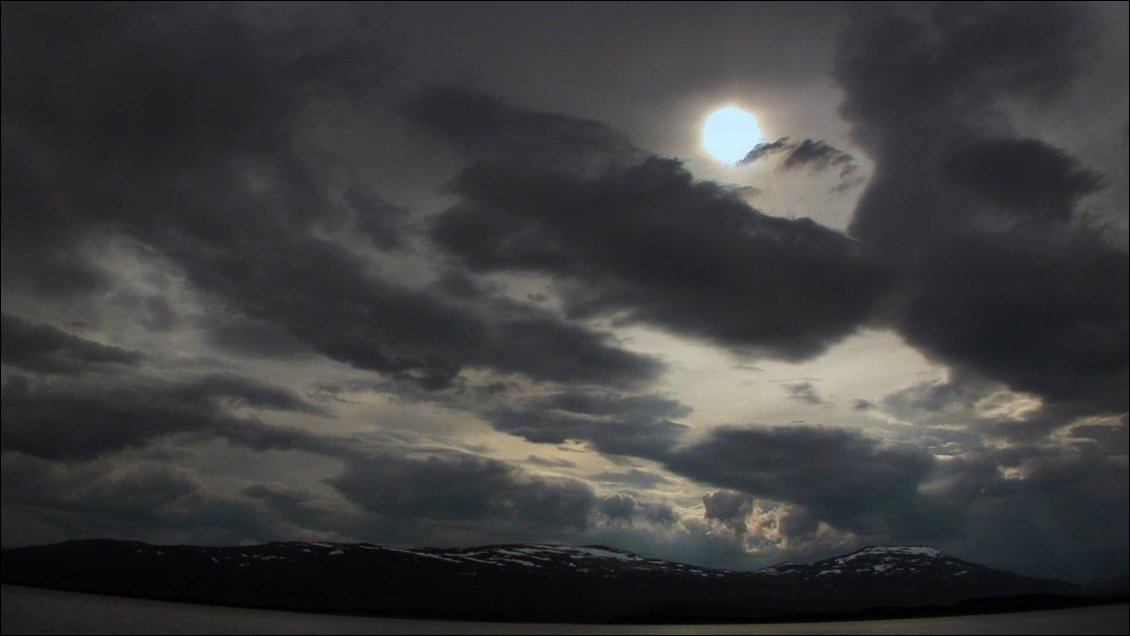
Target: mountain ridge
518,581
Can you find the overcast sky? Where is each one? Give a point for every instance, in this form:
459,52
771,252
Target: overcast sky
428,274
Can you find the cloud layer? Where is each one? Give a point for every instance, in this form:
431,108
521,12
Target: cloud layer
219,325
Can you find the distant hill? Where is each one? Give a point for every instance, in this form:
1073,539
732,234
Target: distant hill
530,582
1114,586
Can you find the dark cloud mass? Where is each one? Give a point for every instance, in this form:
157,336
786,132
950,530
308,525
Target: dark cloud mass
450,485
612,423
1024,176
209,166
485,128
46,349
113,500
730,508
627,509
89,418
996,273
644,242
850,480
104,403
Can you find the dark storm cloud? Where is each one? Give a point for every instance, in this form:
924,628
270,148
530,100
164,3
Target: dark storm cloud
458,486
417,337
1025,176
847,479
127,500
796,524
627,509
210,165
612,423
618,506
81,419
996,275
642,241
103,100
140,489
1064,506
255,339
300,507
730,508
485,128
46,349
239,391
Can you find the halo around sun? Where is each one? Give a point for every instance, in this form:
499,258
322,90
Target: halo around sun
730,133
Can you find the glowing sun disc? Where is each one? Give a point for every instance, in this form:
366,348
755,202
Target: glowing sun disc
730,133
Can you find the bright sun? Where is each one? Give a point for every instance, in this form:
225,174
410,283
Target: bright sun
730,133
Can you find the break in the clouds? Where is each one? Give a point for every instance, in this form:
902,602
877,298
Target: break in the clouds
345,273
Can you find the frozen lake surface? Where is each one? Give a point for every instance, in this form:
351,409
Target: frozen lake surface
31,610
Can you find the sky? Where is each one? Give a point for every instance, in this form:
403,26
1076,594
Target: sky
432,274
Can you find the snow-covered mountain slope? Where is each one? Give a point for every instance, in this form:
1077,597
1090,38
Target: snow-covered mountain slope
883,561
532,558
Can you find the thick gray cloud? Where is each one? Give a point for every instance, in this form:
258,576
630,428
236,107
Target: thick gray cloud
1064,507
643,241
612,423
47,349
240,391
459,486
47,501
730,508
851,481
1015,507
219,99
484,128
627,509
1024,176
995,273
255,339
224,112
86,418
